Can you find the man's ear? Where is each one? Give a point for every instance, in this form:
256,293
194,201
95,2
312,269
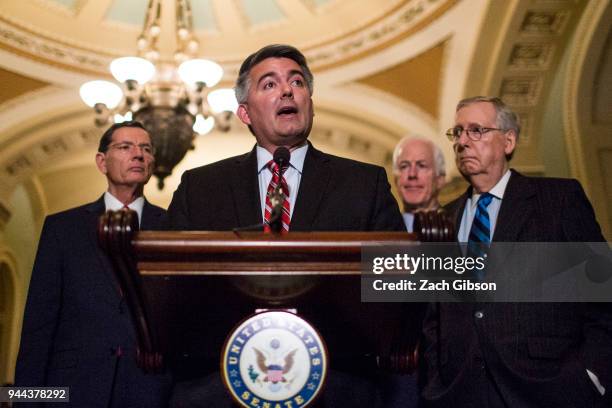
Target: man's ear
243,114
101,162
509,142
440,181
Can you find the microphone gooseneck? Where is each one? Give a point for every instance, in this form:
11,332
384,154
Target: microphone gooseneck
277,198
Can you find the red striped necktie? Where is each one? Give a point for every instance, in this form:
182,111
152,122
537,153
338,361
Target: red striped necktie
276,178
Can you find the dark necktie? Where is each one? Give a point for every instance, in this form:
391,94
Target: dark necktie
480,233
276,179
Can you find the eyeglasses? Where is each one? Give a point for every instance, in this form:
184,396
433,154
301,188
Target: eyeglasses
125,147
474,133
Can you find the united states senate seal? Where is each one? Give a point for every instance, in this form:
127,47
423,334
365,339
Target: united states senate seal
274,359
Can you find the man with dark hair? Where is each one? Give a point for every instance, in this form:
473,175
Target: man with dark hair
77,331
324,192
525,355
274,91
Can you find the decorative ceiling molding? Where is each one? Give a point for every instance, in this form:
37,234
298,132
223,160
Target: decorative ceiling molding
522,47
416,80
407,20
588,140
54,53
324,49
15,85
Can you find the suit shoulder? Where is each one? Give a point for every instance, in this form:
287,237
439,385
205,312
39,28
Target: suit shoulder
353,165
216,167
454,204
156,208
69,214
556,182
554,185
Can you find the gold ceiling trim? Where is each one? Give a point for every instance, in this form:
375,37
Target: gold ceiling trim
424,72
31,47
379,33
443,8
16,85
30,31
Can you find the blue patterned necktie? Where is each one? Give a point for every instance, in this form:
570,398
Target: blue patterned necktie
480,233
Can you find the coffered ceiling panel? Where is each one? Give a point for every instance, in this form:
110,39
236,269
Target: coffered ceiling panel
416,81
14,85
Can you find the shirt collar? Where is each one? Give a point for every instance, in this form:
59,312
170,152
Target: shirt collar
497,191
296,161
113,204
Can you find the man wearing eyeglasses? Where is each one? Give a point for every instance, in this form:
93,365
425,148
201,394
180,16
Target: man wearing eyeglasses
514,354
77,331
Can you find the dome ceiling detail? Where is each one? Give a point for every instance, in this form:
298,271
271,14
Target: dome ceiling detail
85,35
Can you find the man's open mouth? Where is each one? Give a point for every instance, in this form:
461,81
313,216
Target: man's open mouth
287,110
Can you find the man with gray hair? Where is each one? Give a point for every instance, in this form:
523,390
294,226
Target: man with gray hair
525,355
419,171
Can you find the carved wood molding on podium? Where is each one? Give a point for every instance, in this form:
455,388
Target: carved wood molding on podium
294,262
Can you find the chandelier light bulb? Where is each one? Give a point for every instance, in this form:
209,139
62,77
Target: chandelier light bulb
183,33
202,126
180,56
200,70
141,43
134,68
192,46
152,55
154,30
104,92
221,100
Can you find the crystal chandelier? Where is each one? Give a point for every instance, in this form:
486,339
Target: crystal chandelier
173,99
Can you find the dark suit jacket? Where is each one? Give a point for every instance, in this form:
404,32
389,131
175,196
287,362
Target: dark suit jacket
522,354
335,194
75,320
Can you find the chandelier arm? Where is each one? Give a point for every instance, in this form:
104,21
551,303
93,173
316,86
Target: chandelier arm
169,97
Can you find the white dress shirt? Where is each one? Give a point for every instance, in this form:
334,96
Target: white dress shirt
293,175
493,209
113,204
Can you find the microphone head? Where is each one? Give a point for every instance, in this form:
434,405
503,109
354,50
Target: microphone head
282,156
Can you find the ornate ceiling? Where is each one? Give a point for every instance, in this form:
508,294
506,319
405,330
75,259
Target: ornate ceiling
383,69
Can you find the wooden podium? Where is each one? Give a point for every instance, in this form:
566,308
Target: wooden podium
187,290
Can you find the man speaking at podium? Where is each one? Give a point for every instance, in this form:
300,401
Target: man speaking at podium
325,193
322,192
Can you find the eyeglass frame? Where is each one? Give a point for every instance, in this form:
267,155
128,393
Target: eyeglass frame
450,134
129,145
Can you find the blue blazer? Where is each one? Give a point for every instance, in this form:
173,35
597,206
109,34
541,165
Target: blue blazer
77,331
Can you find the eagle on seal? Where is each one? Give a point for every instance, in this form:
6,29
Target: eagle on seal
275,372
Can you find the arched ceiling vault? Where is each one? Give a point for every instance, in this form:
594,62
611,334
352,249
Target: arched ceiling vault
382,69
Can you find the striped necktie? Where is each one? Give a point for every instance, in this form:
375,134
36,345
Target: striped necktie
480,233
276,178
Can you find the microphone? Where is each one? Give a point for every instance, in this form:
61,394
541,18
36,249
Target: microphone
277,197
281,157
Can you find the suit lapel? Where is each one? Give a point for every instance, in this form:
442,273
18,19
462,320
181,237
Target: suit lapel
110,284
151,216
517,206
315,178
244,183
458,211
